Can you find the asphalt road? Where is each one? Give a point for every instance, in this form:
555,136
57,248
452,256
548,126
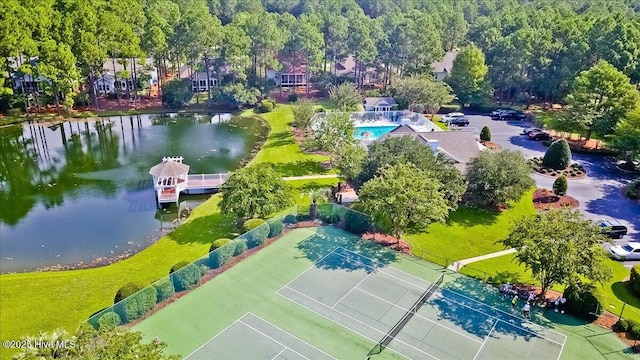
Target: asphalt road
600,193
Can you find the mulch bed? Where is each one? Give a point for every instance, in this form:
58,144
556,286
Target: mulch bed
388,240
573,171
492,146
544,199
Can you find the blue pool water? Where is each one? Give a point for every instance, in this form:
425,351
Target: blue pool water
372,132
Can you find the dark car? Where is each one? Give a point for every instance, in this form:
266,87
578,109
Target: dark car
539,135
612,228
458,121
495,114
512,115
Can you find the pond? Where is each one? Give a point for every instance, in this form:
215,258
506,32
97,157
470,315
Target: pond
79,194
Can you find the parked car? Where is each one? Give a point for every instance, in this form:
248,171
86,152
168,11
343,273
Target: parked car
450,116
539,135
495,114
612,228
512,115
531,129
628,251
458,121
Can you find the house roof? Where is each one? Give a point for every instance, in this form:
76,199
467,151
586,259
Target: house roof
447,62
459,146
379,101
109,65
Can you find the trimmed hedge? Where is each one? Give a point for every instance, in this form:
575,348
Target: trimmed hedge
164,289
127,290
581,301
137,305
257,231
241,246
222,255
447,108
187,276
178,266
109,321
329,217
290,219
560,186
485,134
356,223
634,281
219,243
275,228
558,155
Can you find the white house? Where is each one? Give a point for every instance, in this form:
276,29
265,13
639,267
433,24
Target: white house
25,82
442,69
379,104
199,78
107,83
293,73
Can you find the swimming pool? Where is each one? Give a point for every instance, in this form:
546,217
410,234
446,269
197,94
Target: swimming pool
372,132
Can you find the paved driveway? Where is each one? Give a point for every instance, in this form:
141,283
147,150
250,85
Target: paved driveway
600,194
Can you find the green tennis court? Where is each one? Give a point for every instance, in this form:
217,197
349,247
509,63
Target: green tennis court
318,293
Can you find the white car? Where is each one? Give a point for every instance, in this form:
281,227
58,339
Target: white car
451,116
628,251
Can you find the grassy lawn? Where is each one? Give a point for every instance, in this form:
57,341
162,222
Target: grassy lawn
468,232
281,147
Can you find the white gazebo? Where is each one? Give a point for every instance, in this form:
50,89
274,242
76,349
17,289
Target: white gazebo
169,179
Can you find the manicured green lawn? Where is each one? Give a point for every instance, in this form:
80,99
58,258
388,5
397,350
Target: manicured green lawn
281,147
438,123
468,232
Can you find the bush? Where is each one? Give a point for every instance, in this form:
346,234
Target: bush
222,255
558,155
257,231
178,266
581,301
302,217
272,101
185,277
275,228
164,289
266,106
329,218
290,219
356,222
241,246
127,290
633,192
485,134
14,112
293,97
109,321
634,280
136,305
176,93
560,186
219,243
621,326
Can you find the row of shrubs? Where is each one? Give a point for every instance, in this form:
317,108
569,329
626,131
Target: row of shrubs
631,327
133,300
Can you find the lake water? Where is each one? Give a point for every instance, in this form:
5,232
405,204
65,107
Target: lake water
79,193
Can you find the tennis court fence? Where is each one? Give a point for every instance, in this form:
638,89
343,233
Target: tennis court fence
386,340
189,276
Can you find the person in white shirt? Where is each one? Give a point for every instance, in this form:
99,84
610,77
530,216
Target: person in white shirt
526,309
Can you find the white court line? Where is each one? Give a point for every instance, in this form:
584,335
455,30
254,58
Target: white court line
420,316
309,268
281,351
354,319
353,288
290,334
493,317
485,339
272,339
215,336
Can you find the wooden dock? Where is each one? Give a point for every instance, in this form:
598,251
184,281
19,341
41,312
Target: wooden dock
168,192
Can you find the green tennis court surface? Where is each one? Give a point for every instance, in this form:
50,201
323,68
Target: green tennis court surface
321,293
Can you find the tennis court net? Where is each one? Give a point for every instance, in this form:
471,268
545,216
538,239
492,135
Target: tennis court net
382,344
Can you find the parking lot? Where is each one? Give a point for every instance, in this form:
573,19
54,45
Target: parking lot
600,193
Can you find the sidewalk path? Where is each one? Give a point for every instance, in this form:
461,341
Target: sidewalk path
310,177
457,265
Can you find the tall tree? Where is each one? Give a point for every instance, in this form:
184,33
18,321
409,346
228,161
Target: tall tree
600,97
495,178
345,96
559,247
58,65
403,198
306,44
423,90
333,132
626,138
468,76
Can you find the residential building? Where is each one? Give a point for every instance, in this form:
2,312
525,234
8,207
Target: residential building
379,104
199,79
347,68
293,73
24,82
442,69
108,84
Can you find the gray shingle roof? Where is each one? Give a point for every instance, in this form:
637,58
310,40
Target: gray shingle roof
447,62
385,101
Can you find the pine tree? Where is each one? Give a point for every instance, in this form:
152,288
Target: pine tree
485,134
560,186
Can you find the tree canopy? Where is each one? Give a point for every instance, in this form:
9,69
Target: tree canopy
468,76
255,191
558,247
403,198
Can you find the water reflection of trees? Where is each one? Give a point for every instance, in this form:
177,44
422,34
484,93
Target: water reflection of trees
31,174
